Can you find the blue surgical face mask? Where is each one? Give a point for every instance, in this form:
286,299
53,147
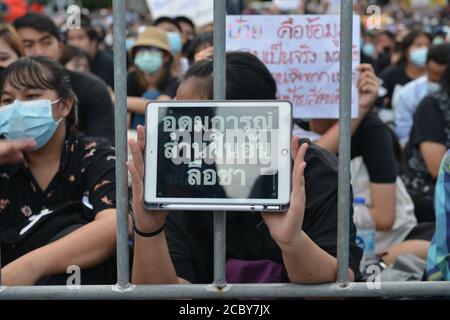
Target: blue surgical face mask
369,49
419,57
175,42
29,119
433,87
149,61
129,43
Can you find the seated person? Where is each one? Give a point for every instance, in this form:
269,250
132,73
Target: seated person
299,246
41,37
152,79
375,176
429,140
57,191
88,39
414,49
438,264
410,95
75,59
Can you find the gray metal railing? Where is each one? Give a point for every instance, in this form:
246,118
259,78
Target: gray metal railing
219,289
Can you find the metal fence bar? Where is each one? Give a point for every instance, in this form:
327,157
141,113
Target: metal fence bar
120,88
344,140
219,94
238,291
0,266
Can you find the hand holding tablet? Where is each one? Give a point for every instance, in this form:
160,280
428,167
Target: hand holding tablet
227,156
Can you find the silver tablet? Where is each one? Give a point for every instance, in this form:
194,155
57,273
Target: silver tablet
218,156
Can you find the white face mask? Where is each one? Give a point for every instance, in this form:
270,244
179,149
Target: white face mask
433,87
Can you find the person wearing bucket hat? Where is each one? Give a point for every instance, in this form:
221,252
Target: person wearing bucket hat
152,77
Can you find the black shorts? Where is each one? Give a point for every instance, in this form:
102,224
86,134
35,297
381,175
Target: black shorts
423,231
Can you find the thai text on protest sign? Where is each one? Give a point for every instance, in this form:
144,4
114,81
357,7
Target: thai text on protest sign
302,53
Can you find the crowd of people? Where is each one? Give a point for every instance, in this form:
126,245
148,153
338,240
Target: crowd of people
57,156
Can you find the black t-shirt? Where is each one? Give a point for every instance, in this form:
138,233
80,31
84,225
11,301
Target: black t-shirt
95,108
431,124
374,143
190,235
103,67
169,88
87,170
393,76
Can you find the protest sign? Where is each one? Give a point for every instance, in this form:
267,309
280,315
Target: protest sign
200,11
302,52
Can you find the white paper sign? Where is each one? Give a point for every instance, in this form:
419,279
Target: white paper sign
302,52
200,11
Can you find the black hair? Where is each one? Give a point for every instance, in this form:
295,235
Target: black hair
38,22
407,42
91,31
71,52
186,20
388,34
161,20
247,77
439,53
45,74
203,70
199,40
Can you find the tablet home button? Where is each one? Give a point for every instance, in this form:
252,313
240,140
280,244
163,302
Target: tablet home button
284,152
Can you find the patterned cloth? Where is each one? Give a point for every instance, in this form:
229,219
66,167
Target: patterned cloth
438,264
417,179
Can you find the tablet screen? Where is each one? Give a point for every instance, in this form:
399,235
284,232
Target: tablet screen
209,152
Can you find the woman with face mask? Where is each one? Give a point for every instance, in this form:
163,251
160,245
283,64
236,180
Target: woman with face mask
152,78
414,50
176,42
57,188
298,246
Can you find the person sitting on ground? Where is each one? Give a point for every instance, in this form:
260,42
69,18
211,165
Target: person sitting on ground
57,191
41,37
299,246
375,154
412,94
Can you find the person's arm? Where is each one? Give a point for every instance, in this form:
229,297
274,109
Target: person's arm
429,134
404,113
368,85
86,247
137,105
432,153
152,263
383,205
304,260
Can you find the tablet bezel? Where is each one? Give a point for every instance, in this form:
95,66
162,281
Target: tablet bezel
151,201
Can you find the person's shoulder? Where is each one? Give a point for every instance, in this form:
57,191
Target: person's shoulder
93,147
99,142
371,122
106,56
319,158
411,87
391,70
85,79
429,103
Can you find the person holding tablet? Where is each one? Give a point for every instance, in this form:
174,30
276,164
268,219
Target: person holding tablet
299,246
